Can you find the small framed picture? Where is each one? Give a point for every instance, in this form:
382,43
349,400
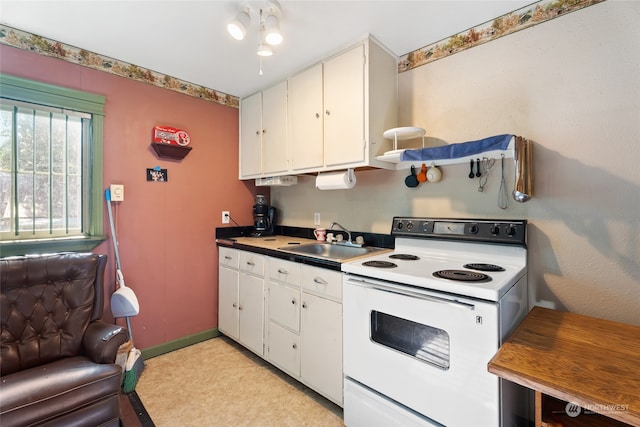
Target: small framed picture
157,175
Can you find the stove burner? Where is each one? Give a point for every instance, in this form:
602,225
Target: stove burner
484,267
462,275
405,257
379,264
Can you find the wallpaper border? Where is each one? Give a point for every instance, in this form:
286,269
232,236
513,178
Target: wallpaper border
509,23
48,47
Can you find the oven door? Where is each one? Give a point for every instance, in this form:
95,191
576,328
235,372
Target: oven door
426,350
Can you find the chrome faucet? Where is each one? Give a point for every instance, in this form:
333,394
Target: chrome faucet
348,242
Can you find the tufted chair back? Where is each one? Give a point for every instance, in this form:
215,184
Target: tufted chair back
46,305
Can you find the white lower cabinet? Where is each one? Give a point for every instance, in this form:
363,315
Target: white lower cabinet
321,332
287,312
305,325
241,297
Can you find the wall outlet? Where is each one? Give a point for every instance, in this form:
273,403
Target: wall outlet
316,218
225,217
117,192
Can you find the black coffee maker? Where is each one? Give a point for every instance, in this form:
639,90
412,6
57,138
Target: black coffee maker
264,217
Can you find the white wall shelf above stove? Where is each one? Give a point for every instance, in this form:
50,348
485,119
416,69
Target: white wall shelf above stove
395,156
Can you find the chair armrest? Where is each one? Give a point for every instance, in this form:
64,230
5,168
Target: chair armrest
101,341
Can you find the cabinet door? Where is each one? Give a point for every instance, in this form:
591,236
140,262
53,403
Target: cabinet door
344,108
274,134
251,136
306,119
251,312
284,349
228,301
321,346
284,306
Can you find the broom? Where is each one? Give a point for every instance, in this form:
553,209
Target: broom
132,370
124,303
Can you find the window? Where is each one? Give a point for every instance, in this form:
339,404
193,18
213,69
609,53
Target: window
50,168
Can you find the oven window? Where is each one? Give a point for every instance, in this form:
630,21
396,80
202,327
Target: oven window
425,343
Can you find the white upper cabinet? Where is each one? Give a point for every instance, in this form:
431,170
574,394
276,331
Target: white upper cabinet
335,113
251,136
306,119
274,136
263,133
344,108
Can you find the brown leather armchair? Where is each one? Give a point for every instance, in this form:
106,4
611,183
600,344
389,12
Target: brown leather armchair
56,355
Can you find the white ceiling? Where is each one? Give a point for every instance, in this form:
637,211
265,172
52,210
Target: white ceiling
187,39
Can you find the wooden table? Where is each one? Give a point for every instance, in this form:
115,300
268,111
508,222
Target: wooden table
567,357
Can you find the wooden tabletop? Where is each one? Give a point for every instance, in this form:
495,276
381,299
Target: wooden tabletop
592,362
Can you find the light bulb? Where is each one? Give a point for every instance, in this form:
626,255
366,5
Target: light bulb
272,30
264,50
238,27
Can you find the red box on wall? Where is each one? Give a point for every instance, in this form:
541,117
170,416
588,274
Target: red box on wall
170,135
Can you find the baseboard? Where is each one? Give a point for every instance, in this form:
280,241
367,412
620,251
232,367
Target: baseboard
167,347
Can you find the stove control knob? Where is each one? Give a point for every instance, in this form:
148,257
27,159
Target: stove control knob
511,230
473,229
400,226
409,226
495,229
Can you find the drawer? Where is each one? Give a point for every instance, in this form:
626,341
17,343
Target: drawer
252,263
228,257
284,350
284,271
323,282
284,306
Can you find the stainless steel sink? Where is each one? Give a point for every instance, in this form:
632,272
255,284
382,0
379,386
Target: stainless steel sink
330,251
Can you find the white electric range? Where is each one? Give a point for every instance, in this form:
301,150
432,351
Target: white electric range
421,323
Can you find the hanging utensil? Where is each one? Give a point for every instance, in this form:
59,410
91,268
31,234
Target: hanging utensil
471,174
411,181
487,164
478,173
434,174
422,176
503,196
523,186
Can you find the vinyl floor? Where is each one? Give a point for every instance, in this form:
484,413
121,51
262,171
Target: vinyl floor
219,383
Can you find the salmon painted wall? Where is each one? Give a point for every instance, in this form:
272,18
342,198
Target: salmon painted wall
166,231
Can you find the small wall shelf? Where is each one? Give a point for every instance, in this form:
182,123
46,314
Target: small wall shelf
170,151
396,155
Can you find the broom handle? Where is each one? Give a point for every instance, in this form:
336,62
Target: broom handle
129,328
107,194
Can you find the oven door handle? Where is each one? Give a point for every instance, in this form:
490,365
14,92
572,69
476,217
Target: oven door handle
410,293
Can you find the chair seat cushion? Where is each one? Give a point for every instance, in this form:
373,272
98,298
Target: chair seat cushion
35,395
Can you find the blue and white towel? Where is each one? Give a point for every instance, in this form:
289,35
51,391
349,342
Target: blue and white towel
462,149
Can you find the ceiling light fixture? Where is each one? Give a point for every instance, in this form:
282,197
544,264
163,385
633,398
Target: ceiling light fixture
267,13
238,27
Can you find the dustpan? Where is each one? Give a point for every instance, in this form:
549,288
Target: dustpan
124,302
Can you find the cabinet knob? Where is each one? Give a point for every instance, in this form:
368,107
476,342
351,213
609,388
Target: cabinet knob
264,131
228,257
294,346
327,112
239,307
257,132
293,301
234,305
251,263
282,271
304,305
317,115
